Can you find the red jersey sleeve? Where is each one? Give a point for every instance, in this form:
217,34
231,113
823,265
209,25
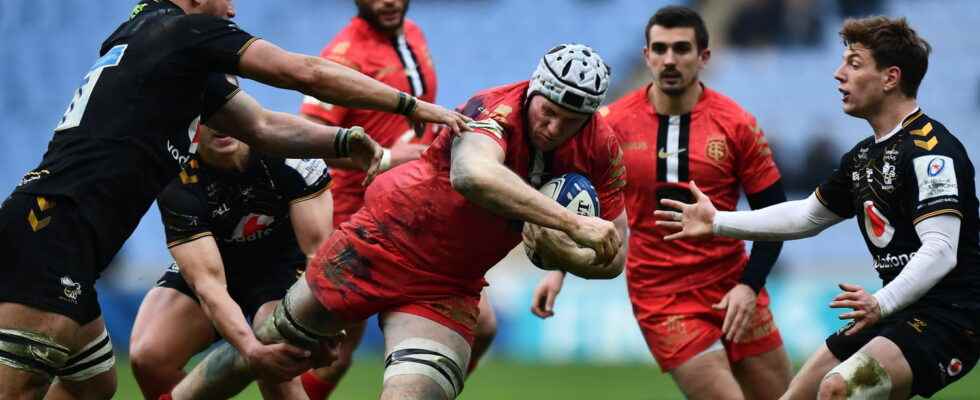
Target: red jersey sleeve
331,114
756,168
611,176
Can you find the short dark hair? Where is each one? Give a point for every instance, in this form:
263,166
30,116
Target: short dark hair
893,43
680,17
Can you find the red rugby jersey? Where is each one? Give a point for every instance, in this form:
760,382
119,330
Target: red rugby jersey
403,63
719,146
436,229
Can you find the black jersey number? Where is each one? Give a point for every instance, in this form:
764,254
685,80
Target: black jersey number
76,109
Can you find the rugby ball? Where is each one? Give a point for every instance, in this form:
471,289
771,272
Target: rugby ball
574,192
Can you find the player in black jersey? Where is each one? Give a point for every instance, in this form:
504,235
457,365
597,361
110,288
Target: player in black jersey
912,188
240,227
120,141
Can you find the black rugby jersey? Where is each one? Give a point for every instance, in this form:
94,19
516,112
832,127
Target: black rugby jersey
246,212
919,172
132,121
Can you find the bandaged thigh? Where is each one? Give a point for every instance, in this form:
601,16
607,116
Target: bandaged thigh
32,351
284,327
418,356
865,377
95,358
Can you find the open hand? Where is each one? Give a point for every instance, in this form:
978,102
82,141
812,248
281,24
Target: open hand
692,221
428,112
365,153
866,311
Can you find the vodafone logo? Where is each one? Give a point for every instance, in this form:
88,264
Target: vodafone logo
877,226
252,227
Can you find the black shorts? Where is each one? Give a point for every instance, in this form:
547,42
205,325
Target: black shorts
49,256
250,292
939,343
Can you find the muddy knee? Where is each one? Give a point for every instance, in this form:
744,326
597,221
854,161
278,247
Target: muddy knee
860,377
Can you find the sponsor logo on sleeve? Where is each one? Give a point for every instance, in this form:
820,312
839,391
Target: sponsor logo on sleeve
311,169
936,177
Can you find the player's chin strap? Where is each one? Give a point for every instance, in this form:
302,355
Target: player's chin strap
418,356
866,378
32,351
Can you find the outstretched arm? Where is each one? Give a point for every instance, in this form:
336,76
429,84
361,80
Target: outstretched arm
337,84
478,173
785,221
287,135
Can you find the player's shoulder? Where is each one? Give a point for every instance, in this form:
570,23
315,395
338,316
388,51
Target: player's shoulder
727,109
412,30
929,136
351,45
197,24
625,107
500,105
186,192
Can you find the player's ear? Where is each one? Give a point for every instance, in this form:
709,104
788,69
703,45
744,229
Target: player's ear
891,78
705,55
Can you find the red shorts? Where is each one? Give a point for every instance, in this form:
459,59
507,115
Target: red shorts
355,275
681,325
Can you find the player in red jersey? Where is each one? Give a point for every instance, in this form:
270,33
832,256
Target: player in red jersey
700,305
382,43
416,253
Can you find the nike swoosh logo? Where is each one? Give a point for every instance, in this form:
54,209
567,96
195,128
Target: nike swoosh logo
664,154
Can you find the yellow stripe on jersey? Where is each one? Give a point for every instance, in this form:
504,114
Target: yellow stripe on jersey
937,212
924,131
926,144
188,239
311,195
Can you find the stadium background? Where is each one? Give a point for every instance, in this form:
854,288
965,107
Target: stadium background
774,57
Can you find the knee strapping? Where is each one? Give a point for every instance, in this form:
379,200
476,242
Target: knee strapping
866,379
292,331
32,351
94,359
419,356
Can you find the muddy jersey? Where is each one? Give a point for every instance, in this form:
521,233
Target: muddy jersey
436,230
919,172
132,120
718,145
246,212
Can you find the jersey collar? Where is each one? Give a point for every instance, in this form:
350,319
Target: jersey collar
912,116
698,105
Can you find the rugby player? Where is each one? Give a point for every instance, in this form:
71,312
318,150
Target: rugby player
701,306
417,251
120,141
240,227
379,42
911,186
